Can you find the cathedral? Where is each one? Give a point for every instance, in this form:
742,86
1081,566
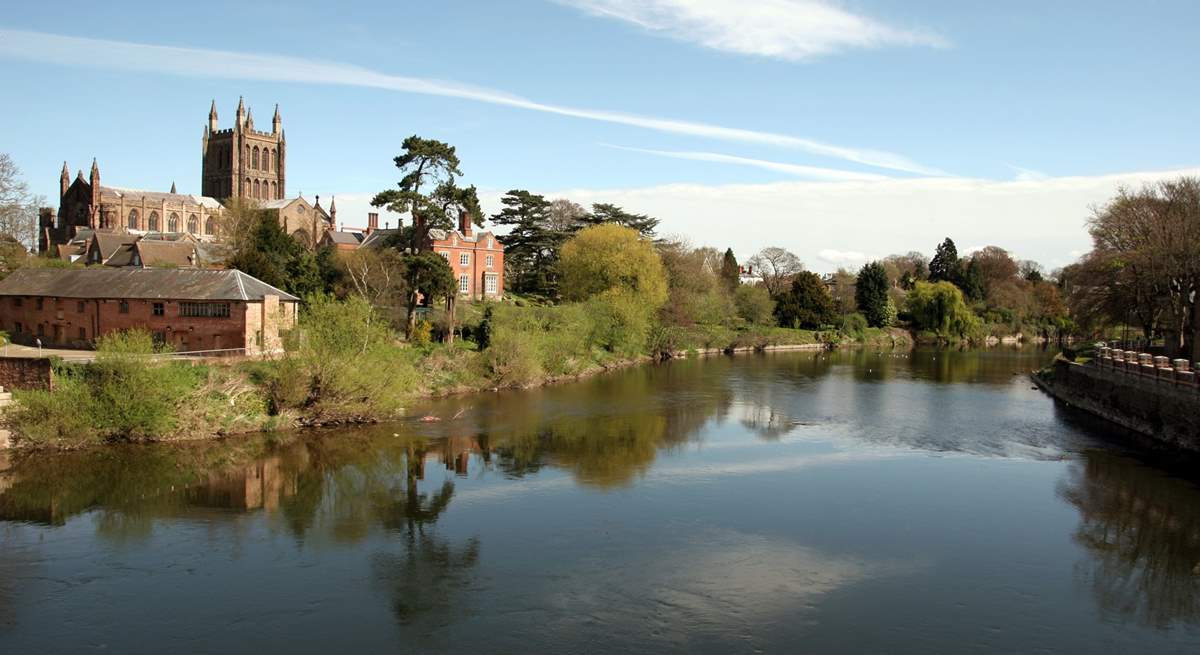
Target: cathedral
236,163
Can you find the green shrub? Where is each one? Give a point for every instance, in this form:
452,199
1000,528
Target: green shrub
854,325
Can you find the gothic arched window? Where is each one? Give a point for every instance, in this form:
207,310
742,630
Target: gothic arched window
193,224
173,223
246,192
247,162
257,192
152,224
274,190
254,158
210,226
133,219
266,160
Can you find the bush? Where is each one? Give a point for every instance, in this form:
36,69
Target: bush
854,325
754,304
939,307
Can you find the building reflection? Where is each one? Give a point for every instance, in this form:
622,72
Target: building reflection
1141,531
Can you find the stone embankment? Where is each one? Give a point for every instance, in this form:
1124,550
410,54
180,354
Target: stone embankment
1153,396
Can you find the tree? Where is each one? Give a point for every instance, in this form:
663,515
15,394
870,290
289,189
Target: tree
939,306
754,304
995,267
807,304
425,274
607,259
565,217
871,294
603,213
429,164
18,207
1031,271
377,275
777,266
945,264
730,271
695,292
842,290
531,246
971,280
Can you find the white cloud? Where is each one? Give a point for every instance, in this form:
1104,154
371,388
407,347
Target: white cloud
197,62
812,172
792,30
844,258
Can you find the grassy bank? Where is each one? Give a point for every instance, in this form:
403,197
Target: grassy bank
345,365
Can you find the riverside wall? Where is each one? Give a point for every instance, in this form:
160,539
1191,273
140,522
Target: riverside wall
1153,396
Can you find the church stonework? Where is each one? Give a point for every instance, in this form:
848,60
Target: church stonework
242,162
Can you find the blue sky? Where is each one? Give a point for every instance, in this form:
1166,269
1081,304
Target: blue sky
842,130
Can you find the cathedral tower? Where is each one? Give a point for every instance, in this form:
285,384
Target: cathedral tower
242,162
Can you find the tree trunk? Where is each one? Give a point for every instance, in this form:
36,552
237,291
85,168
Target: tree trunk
411,323
450,318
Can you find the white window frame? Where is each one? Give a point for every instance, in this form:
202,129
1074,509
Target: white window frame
491,282
464,283
445,255
489,260
464,259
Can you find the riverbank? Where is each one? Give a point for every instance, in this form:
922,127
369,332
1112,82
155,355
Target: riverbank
1153,404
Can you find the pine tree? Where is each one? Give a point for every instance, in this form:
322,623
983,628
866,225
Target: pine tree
871,294
730,271
945,264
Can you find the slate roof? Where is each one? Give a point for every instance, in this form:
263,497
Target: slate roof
158,196
138,284
110,242
347,238
376,238
181,254
438,234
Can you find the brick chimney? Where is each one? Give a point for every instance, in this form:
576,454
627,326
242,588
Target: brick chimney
464,224
372,222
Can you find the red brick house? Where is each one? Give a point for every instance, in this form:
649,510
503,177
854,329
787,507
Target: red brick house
189,309
476,259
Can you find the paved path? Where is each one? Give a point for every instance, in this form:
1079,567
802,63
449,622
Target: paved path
17,350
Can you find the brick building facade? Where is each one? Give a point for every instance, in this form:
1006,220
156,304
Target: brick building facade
476,259
189,310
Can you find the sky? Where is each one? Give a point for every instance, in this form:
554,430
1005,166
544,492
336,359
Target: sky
841,130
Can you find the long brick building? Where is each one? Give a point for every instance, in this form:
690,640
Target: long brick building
191,310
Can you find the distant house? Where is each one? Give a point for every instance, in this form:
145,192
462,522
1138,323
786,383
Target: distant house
476,259
307,223
188,309
747,275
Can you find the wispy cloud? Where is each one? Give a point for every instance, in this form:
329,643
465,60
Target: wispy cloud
841,258
197,62
810,172
793,30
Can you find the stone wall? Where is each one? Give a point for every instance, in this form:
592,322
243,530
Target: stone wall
1154,401
25,373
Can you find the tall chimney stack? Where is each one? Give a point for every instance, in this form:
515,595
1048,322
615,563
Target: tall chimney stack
464,224
372,222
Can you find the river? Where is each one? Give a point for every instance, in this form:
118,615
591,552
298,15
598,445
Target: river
814,502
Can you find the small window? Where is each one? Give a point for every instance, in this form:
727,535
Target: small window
204,309
41,329
123,307
39,303
445,255
79,306
18,302
464,283
18,328
464,259
159,310
489,261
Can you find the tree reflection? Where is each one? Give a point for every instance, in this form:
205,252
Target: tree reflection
1142,531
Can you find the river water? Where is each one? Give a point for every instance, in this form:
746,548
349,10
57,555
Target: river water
848,502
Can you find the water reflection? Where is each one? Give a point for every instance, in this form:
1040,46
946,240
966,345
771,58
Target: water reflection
1141,530
701,499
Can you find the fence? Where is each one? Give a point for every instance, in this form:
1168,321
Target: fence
1158,368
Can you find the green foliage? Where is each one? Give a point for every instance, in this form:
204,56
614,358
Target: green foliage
972,280
532,244
754,304
483,333
422,334
730,271
806,303
606,214
945,265
125,394
425,164
268,253
871,295
854,325
342,362
695,293
610,259
939,307
425,273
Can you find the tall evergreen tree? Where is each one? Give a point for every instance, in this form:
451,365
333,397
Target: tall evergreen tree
945,264
730,271
972,281
531,247
871,294
605,213
428,187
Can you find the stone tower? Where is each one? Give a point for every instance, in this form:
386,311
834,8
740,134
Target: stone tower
242,162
